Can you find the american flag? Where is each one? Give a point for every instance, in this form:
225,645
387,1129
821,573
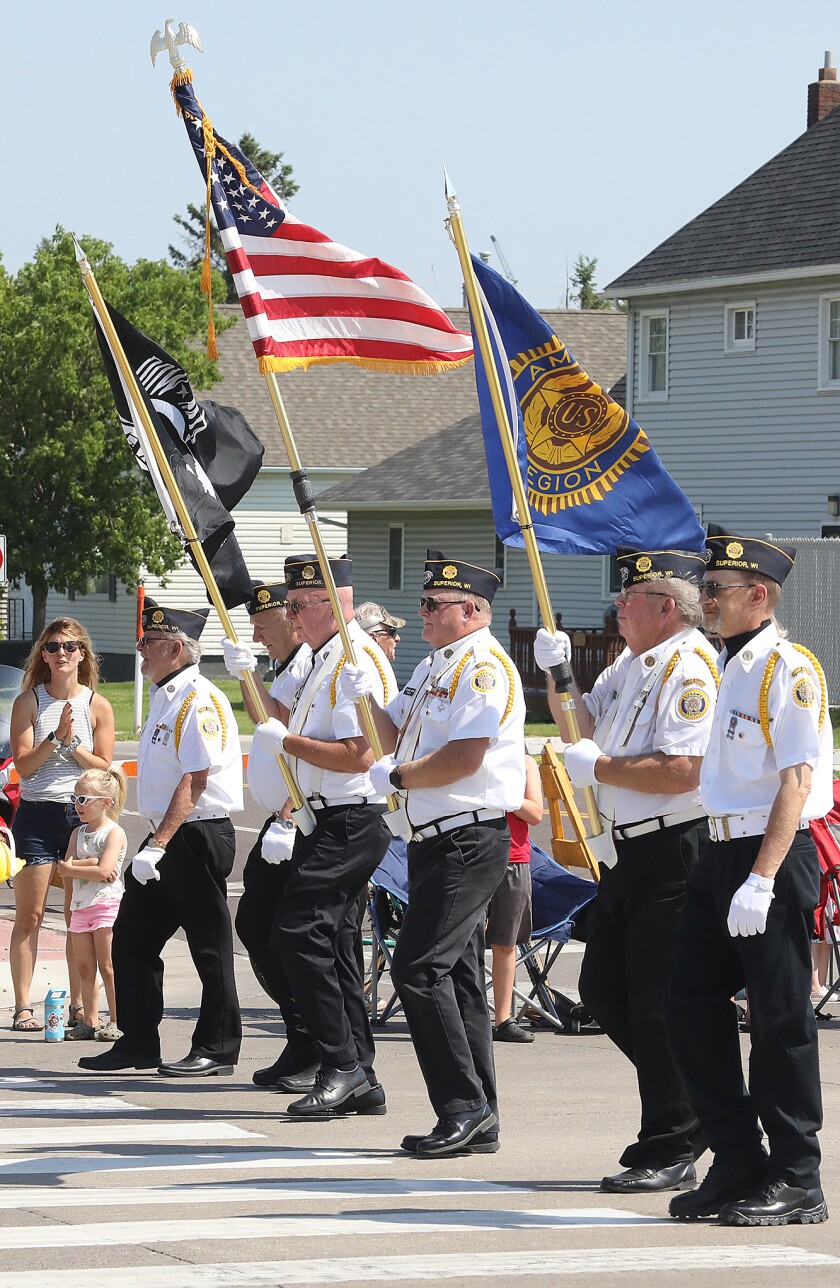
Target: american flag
306,298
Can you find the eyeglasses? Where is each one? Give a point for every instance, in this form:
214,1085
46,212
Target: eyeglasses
384,630
624,595
711,589
83,800
145,640
69,646
432,605
293,607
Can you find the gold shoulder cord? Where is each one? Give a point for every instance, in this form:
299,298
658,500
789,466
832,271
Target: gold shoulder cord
671,667
342,662
182,715
767,678
508,666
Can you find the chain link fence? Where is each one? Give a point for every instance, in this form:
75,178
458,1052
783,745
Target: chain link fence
810,604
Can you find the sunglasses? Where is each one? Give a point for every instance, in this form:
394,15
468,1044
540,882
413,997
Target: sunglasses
384,630
69,646
83,800
145,640
711,589
294,608
432,605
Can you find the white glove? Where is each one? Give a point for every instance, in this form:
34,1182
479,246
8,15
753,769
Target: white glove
279,841
750,906
550,650
271,735
144,864
239,658
579,759
380,776
354,683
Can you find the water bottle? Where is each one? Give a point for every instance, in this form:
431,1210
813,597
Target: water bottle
54,1015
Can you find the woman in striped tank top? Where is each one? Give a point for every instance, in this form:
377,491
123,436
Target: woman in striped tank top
60,729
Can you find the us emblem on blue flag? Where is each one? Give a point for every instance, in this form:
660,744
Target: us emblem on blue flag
592,479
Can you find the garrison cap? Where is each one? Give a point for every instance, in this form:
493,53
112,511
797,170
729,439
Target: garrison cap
170,621
638,566
303,572
266,594
747,554
442,573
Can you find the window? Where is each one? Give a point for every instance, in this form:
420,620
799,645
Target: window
395,558
829,357
653,372
612,577
500,560
106,585
739,323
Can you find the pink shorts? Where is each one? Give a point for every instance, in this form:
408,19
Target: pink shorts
96,917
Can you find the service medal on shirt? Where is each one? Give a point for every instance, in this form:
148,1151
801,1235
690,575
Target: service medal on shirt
804,694
692,704
484,680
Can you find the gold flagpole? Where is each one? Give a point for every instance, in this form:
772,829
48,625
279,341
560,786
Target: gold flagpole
305,498
562,675
177,500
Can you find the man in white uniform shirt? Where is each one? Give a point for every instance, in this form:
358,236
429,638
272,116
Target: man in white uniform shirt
189,782
646,725
267,866
317,921
457,737
749,912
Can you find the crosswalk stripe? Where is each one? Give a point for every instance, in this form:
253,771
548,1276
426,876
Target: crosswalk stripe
122,1133
507,1266
240,1157
255,1192
30,1083
345,1225
88,1105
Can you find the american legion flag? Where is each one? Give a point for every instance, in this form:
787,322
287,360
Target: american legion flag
306,298
592,479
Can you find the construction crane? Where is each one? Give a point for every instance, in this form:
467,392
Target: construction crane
506,268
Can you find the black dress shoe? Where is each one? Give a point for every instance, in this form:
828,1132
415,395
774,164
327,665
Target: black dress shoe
777,1204
196,1066
115,1062
330,1093
720,1186
644,1180
285,1067
297,1082
486,1142
454,1131
369,1100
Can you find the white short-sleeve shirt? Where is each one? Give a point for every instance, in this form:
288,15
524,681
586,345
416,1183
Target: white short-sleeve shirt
265,778
740,773
672,715
445,701
190,727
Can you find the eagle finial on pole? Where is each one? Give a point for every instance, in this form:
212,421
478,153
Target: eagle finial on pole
169,39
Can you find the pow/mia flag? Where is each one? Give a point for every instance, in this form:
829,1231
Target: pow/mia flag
592,480
202,442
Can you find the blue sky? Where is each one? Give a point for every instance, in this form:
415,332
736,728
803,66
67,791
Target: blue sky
599,127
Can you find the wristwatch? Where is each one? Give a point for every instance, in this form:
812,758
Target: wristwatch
395,777
52,737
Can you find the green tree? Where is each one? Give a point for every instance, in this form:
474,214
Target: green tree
75,504
583,280
192,225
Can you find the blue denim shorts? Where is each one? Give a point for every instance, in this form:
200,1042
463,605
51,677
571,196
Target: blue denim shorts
42,830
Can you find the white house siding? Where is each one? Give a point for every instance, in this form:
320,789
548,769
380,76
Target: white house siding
747,436
268,527
575,583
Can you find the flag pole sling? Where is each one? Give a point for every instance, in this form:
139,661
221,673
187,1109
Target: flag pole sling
305,498
180,509
562,674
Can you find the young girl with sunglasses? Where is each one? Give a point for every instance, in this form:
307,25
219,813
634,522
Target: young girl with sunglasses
60,728
93,887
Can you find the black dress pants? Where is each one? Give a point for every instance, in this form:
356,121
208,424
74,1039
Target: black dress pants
265,886
190,895
711,965
631,939
438,966
316,929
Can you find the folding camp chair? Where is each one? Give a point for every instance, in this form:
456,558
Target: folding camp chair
558,899
826,834
387,901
